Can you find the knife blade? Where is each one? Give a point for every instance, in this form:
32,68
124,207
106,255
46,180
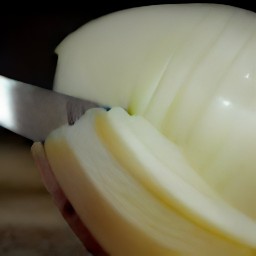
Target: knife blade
33,112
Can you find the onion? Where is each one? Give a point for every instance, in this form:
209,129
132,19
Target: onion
61,201
175,173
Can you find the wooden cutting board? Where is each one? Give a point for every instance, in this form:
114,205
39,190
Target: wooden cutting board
30,224
17,168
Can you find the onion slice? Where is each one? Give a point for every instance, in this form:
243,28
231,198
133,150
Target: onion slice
63,204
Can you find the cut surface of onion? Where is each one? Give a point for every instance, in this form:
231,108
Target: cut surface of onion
161,214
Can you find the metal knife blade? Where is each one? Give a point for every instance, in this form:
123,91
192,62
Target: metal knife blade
33,112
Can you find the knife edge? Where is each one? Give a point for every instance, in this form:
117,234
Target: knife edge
33,112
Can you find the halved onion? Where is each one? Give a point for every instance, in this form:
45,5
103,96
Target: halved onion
175,176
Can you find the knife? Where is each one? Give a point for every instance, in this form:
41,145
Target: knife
33,112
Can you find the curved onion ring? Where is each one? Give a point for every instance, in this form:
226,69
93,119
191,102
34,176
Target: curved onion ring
63,204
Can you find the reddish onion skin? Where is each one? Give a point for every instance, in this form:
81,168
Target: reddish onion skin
61,201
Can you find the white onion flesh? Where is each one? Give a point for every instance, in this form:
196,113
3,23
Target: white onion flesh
132,209
185,73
